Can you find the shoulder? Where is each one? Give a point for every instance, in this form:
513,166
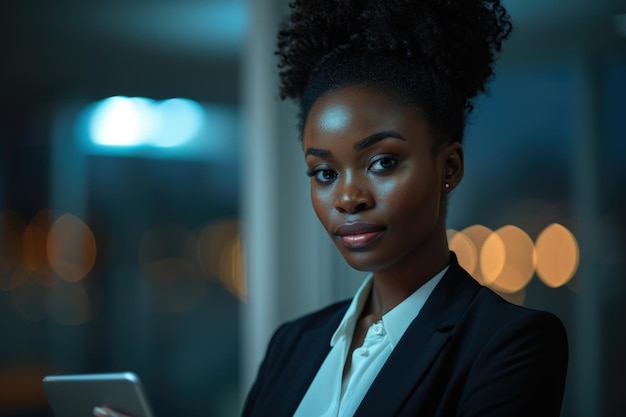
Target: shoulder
481,315
481,305
497,311
493,327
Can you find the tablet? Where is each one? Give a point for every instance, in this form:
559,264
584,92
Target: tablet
77,395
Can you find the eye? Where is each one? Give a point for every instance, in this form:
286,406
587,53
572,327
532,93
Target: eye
322,176
383,163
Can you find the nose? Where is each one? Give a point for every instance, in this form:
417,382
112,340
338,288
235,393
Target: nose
353,196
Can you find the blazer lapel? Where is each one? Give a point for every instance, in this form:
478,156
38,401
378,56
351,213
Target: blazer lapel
422,341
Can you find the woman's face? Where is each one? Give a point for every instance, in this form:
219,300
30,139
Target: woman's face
377,181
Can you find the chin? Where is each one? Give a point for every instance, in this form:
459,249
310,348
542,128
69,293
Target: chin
360,263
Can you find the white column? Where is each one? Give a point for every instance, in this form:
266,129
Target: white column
259,196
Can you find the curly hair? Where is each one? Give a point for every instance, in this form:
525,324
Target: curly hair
435,54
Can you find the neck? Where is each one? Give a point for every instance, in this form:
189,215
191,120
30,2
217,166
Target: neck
391,288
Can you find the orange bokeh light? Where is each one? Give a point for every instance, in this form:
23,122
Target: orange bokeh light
557,255
514,250
34,243
476,234
71,248
464,249
220,255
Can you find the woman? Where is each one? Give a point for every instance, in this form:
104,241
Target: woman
384,89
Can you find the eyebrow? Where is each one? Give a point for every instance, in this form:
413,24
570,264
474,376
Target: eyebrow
365,143
377,137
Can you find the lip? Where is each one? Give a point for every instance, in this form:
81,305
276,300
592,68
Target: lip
358,235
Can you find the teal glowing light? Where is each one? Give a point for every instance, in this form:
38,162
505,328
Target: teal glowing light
175,122
133,121
172,128
120,121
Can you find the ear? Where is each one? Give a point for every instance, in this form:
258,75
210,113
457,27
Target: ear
452,159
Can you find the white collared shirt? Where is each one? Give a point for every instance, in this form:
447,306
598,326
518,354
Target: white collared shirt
330,395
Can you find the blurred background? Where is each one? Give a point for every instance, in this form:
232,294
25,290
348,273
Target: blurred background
154,215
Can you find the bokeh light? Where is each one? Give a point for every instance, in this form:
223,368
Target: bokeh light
507,259
231,268
173,128
11,230
557,255
492,257
220,256
175,121
71,248
514,254
138,121
476,234
120,121
48,250
34,241
465,250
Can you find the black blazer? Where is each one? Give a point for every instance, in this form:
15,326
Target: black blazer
468,353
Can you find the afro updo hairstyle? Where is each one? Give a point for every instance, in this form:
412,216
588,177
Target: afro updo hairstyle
436,55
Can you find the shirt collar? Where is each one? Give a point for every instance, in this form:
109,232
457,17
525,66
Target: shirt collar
346,327
396,320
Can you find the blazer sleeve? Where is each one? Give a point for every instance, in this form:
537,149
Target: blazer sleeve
520,371
271,356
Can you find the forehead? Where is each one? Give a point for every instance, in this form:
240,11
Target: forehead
357,110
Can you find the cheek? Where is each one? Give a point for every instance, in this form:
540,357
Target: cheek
408,196
396,190
319,200
389,189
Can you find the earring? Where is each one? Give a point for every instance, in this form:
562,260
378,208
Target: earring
447,186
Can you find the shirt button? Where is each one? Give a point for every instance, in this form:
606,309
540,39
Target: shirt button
377,328
363,351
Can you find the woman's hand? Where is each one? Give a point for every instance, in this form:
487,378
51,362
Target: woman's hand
107,412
